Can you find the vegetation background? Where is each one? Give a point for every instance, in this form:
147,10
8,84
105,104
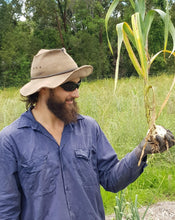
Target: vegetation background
122,118
26,26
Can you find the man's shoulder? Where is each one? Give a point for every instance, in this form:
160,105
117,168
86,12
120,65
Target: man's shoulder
9,129
87,119
88,122
12,128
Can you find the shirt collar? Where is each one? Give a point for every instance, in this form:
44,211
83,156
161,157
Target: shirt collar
27,120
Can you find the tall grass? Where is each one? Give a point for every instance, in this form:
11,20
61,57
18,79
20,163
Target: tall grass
10,106
122,118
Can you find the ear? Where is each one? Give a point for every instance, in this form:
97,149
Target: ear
43,91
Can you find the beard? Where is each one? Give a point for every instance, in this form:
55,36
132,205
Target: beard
65,112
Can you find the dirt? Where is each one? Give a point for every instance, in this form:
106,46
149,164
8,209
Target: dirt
159,211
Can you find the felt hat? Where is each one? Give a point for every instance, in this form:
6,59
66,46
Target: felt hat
51,68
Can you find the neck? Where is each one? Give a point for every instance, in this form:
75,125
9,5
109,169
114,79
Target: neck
49,121
45,117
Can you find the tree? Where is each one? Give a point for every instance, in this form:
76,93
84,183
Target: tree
75,21
9,16
77,25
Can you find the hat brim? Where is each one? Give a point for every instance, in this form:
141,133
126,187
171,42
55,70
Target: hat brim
52,82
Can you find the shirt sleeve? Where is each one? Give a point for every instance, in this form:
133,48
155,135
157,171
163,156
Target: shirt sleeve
115,174
9,190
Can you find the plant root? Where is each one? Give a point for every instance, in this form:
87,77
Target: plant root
155,147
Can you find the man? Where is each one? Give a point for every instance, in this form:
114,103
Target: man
53,160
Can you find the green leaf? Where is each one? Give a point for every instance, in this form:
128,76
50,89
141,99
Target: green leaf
132,55
133,4
119,28
140,7
172,31
125,34
166,21
129,33
147,25
137,31
155,56
109,13
168,24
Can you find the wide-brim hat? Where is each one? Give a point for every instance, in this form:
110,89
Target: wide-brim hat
51,68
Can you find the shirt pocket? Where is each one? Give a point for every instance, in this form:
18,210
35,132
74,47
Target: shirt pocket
37,176
84,165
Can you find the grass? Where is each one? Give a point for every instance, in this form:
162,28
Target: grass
122,118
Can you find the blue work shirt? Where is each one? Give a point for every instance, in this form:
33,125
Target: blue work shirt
40,180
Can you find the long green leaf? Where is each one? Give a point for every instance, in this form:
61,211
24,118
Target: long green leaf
132,3
172,32
124,32
147,25
109,13
162,51
135,19
129,33
132,55
140,7
154,57
166,30
119,29
171,28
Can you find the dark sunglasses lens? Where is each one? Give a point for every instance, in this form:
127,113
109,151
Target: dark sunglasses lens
70,86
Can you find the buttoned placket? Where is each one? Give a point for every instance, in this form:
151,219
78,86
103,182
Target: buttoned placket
65,132
67,129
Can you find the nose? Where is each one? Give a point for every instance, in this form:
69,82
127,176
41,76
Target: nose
75,93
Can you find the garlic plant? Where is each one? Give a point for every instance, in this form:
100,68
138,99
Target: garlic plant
136,37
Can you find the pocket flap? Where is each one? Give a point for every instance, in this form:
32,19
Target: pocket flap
82,153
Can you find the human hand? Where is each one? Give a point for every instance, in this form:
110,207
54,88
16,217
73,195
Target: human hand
158,142
164,143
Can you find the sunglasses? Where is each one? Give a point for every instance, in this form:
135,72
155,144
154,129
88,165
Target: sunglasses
70,86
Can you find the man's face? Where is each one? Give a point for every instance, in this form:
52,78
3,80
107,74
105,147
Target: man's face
63,105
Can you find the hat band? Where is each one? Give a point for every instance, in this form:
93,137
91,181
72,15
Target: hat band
41,77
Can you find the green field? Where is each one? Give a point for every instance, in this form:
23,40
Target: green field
122,118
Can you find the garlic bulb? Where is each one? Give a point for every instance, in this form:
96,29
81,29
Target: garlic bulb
159,130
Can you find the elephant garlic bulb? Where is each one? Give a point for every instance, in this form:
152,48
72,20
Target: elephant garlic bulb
159,130
156,130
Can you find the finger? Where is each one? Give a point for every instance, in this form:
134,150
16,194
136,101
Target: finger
170,140
163,148
164,143
160,140
169,131
170,134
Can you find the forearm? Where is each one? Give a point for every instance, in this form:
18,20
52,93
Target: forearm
124,172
